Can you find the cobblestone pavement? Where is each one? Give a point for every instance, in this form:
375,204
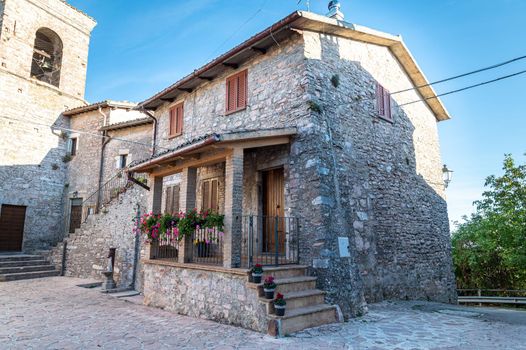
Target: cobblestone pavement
54,313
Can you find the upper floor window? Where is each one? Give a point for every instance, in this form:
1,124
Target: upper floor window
123,161
176,120
47,57
383,102
236,92
72,147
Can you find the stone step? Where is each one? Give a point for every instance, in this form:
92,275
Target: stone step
296,300
27,275
4,264
285,271
294,284
19,269
19,257
302,318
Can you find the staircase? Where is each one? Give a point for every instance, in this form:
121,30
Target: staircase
306,307
21,266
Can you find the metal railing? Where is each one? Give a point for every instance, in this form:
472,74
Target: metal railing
491,296
270,240
206,247
166,248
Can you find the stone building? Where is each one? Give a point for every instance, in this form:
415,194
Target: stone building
348,174
43,59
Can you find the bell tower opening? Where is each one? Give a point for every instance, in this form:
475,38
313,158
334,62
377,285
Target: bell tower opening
47,57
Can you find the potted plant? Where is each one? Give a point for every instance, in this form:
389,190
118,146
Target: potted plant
269,287
279,305
257,273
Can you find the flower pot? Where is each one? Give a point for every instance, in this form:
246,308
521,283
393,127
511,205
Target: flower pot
269,293
256,277
280,310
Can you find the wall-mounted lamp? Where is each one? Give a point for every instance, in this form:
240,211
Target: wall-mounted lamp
447,175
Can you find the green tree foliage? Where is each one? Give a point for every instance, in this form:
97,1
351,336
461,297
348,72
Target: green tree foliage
489,248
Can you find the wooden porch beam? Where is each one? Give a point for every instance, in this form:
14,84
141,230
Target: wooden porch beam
204,160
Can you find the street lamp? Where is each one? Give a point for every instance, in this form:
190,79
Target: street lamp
447,175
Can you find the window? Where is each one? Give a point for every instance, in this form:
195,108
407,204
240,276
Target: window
47,57
172,200
123,159
72,146
236,92
383,102
176,120
210,194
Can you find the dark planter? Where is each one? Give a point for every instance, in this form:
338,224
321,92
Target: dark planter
280,311
202,250
269,293
256,278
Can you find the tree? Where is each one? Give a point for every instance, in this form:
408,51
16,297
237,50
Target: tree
489,248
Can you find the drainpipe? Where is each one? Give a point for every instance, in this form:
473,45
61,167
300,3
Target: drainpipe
105,141
149,114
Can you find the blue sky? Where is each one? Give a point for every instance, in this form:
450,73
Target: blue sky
140,47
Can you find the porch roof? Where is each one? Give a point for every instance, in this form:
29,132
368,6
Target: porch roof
215,141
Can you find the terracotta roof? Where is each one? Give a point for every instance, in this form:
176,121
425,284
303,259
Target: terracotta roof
97,105
280,30
128,124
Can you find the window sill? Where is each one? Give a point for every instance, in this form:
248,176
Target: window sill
235,111
385,119
170,137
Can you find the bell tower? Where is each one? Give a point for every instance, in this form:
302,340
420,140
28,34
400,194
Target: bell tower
43,62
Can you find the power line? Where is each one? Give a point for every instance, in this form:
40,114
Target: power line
464,74
465,88
79,131
240,27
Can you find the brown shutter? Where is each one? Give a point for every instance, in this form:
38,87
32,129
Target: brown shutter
242,90
175,205
169,200
380,99
172,121
206,195
387,105
180,118
214,196
231,89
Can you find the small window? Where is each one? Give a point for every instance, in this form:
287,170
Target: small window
236,92
383,102
210,195
176,120
72,146
123,161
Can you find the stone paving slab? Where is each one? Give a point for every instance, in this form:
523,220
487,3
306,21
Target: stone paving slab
53,313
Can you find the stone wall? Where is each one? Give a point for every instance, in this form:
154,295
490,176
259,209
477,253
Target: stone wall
272,103
87,248
32,171
380,181
210,294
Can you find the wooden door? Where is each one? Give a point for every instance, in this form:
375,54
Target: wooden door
12,219
75,217
273,210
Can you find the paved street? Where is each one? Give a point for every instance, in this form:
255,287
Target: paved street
54,313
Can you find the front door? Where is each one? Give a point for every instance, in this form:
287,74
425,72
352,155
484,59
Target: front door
274,211
75,215
12,219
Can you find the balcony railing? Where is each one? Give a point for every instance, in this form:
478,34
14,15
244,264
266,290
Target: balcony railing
207,247
270,240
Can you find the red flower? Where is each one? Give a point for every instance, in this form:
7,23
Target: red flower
279,296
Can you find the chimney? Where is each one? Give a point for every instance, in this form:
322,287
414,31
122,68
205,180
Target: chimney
334,10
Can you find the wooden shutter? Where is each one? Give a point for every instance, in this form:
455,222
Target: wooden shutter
206,195
169,200
214,198
242,90
387,105
236,92
175,202
176,120
380,99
